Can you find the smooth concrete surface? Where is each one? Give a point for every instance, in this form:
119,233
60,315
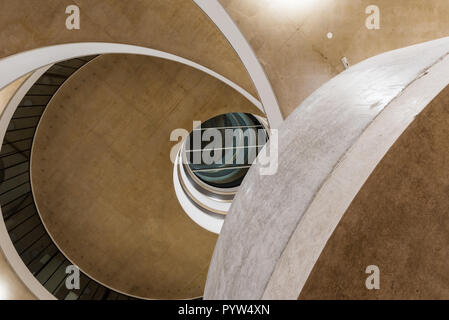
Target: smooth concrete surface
175,26
398,222
11,287
313,142
290,36
102,175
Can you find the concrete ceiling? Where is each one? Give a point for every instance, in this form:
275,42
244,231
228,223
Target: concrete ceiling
175,26
290,36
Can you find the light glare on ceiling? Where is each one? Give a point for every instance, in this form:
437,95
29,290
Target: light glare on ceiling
292,4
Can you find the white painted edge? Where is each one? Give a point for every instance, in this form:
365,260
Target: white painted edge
6,244
18,65
335,196
207,201
215,11
206,221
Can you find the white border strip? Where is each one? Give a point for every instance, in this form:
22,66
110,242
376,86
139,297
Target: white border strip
226,25
18,65
6,244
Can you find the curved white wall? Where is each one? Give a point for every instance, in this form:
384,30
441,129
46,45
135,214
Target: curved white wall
226,25
18,65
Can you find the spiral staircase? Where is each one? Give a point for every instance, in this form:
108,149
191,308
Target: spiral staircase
32,241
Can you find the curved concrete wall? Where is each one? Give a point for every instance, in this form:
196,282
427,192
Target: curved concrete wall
398,221
278,225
